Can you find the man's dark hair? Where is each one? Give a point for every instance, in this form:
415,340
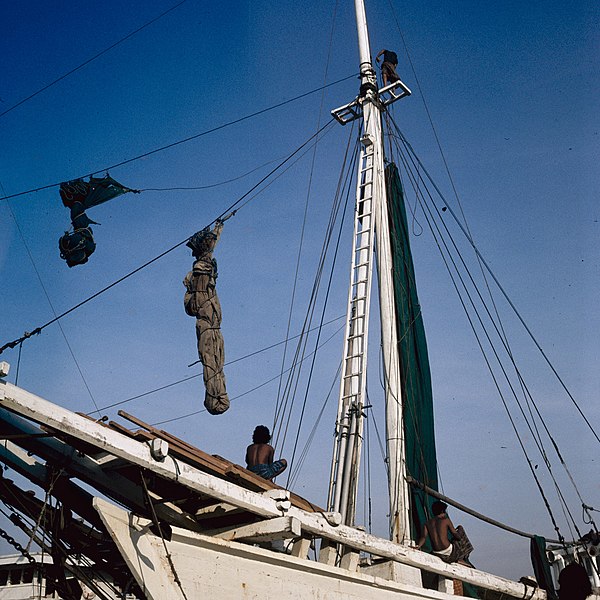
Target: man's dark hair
574,583
261,435
438,507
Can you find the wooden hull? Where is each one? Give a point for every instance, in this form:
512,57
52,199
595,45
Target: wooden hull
209,567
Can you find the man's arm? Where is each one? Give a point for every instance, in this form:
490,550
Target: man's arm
270,455
423,537
377,57
453,531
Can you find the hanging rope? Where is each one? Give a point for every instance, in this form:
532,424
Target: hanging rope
183,141
159,529
232,209
87,62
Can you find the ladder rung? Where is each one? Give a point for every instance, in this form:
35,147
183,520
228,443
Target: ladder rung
356,317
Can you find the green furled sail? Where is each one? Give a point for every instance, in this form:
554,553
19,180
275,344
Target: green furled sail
421,462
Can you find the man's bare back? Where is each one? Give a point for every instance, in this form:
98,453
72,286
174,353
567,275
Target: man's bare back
438,529
259,454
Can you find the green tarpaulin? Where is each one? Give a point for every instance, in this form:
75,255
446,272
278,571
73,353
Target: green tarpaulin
414,363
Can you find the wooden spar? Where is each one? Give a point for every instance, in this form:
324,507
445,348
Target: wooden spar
470,511
267,504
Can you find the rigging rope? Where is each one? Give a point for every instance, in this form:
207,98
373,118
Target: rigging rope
316,286
538,441
185,140
197,412
303,227
39,277
168,385
87,62
287,405
232,209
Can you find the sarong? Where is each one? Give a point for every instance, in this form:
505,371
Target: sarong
268,471
459,549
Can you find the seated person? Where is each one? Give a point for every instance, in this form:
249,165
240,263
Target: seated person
438,529
259,455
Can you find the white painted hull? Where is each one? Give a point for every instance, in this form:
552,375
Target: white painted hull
209,567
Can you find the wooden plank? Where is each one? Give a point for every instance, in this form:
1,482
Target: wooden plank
19,401
280,528
218,465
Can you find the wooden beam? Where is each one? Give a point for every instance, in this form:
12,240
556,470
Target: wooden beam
280,528
37,409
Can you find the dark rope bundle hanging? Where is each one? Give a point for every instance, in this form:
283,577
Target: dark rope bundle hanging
201,301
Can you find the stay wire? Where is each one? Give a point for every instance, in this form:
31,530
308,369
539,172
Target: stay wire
211,185
324,308
174,383
197,412
529,462
511,304
185,140
312,434
303,228
93,58
231,209
39,277
452,183
343,180
526,392
288,402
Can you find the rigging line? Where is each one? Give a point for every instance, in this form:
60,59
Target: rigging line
539,443
89,60
302,229
162,254
526,392
529,462
164,387
33,264
197,412
311,436
212,185
275,344
308,317
506,296
500,327
431,492
528,397
188,139
446,166
317,280
282,405
334,260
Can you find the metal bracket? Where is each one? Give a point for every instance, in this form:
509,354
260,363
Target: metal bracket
386,95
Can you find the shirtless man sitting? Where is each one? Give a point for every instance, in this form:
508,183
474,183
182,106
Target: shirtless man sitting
437,528
259,455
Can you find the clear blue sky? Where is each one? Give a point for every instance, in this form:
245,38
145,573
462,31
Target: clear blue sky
513,92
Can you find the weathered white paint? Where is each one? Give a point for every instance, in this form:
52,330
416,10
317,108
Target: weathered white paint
213,568
42,411
279,528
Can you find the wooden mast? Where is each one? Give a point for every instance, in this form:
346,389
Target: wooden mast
371,227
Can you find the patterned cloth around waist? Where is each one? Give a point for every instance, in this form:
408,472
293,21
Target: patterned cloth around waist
267,471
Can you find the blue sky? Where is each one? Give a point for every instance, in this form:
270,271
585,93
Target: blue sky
512,90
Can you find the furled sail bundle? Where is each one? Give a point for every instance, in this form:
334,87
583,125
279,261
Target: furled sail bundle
78,195
201,301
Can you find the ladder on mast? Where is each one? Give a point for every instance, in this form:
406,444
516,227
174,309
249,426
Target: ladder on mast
349,424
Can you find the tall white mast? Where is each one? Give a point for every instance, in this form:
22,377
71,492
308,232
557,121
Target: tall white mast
370,224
